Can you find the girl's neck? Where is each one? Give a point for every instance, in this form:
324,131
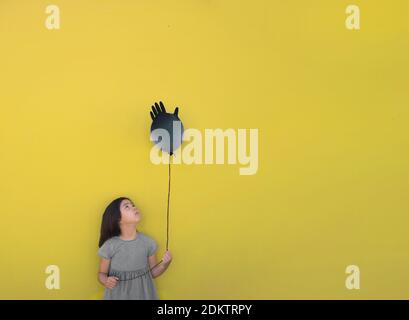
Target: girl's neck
128,232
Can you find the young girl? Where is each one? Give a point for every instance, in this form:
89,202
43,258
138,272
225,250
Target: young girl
127,255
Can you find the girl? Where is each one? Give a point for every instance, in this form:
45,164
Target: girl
127,255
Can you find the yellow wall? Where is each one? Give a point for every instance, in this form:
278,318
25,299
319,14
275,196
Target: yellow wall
331,106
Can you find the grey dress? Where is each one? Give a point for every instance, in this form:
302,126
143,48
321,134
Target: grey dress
129,262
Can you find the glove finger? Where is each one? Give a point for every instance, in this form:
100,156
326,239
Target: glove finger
154,110
162,107
158,110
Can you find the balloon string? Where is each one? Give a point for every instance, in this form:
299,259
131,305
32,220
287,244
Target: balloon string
167,219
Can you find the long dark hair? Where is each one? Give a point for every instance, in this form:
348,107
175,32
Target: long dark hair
110,221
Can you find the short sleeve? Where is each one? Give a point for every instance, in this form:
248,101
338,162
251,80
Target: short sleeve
152,247
106,250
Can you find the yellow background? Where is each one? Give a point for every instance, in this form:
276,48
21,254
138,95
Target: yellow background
331,107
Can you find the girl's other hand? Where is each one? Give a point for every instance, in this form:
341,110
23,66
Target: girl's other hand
167,258
111,282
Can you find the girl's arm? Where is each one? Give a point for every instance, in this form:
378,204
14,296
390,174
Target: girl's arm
158,270
108,282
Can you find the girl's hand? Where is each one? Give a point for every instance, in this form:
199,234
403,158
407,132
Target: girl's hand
167,258
111,282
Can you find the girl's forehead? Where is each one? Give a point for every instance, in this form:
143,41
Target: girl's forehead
125,202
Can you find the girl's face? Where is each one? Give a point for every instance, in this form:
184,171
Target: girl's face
129,213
